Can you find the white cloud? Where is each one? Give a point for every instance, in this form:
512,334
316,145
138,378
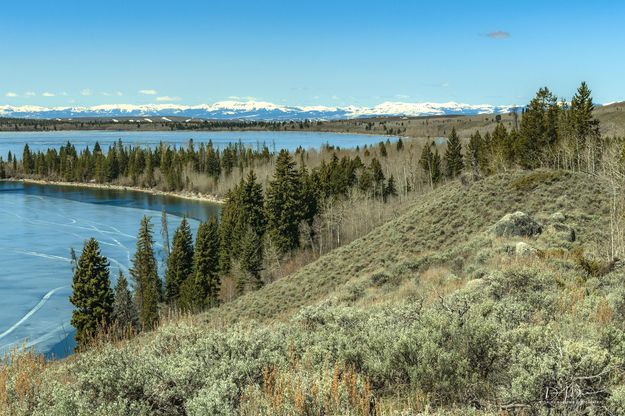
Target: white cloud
148,92
86,92
64,94
10,94
402,96
167,98
30,94
48,94
119,93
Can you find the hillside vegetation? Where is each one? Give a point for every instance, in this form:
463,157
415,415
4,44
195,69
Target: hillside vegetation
433,312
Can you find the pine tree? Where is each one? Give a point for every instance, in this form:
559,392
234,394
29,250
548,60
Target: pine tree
426,162
206,265
145,277
377,176
91,294
539,128
251,260
165,232
179,262
390,189
431,164
453,155
284,204
476,154
28,163
124,310
584,127
253,202
437,172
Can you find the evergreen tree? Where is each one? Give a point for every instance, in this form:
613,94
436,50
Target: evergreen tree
124,310
453,155
400,144
28,163
251,260
284,204
377,177
253,205
431,164
165,232
91,294
206,265
145,277
539,128
390,189
179,262
584,127
476,154
437,172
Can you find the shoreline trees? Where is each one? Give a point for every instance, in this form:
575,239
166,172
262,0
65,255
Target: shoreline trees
91,294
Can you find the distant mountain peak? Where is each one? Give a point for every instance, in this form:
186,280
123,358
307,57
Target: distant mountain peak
255,110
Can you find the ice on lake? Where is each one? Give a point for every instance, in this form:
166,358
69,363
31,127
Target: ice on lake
39,225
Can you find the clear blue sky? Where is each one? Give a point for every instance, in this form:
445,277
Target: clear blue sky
321,52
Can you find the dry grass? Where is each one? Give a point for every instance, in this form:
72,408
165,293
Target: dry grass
20,380
450,217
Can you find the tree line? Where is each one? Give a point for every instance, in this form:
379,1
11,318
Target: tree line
552,134
252,222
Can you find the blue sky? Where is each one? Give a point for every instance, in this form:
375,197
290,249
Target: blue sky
307,53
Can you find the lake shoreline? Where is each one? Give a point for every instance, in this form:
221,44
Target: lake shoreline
188,195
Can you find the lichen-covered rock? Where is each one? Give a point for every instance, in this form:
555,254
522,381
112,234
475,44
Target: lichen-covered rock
518,224
562,230
524,249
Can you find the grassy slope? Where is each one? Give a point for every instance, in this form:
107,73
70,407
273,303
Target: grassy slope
359,305
451,215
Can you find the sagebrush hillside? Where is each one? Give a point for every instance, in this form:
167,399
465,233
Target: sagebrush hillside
442,223
430,313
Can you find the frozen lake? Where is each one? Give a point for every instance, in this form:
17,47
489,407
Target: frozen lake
38,226
291,140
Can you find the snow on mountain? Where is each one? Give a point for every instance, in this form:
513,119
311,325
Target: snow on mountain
255,110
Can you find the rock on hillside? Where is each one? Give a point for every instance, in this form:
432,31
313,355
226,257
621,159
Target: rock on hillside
517,224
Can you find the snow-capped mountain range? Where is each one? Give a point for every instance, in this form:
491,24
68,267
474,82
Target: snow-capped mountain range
252,110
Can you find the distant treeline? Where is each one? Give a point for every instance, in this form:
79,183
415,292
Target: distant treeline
552,134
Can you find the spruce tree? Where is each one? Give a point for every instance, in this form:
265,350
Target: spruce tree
252,201
206,265
437,172
585,128
431,164
390,189
475,154
284,204
453,155
179,262
144,272
251,260
539,128
91,294
165,232
426,162
124,310
28,163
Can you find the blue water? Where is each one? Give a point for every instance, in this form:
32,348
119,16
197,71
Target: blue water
291,140
38,226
